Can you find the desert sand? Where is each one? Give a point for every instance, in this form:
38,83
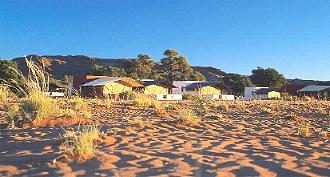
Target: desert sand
249,138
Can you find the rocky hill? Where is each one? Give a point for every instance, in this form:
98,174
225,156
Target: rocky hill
79,65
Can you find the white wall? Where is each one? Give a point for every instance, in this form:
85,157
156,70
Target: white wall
180,84
248,92
168,97
227,97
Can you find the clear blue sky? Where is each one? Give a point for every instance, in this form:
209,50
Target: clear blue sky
292,36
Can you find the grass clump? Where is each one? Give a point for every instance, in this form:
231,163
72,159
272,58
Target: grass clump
146,101
187,117
5,93
12,113
78,103
38,106
81,144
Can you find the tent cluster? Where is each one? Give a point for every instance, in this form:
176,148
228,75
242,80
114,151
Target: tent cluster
104,86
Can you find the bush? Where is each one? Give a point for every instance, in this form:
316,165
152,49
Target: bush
81,144
69,113
187,116
38,106
146,101
5,94
12,114
78,103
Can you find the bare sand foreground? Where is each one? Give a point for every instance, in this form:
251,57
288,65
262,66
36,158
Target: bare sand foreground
246,139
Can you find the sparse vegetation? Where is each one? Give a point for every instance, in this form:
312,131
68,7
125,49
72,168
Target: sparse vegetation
4,93
187,117
80,144
78,103
12,114
38,106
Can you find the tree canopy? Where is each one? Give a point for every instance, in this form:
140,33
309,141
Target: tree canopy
141,67
8,70
176,67
237,82
107,71
268,77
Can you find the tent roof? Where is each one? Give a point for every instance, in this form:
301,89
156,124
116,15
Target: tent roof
103,81
313,88
205,84
165,84
265,90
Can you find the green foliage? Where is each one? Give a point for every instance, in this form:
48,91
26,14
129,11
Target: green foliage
267,77
80,144
11,114
176,67
38,106
142,67
8,70
237,82
100,70
117,72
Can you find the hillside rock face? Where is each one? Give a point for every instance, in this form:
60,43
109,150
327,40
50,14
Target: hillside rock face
78,65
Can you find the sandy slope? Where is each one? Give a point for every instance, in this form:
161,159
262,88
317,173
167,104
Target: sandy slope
239,144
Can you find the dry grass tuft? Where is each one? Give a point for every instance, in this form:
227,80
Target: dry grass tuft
38,106
5,94
146,101
12,113
81,144
78,103
187,117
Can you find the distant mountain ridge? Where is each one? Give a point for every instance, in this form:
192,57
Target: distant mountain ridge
78,65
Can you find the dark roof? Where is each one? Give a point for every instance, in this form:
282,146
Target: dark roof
218,85
165,84
291,88
314,88
265,90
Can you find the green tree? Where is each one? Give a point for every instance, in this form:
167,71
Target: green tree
8,71
176,67
237,82
116,72
142,67
267,77
99,70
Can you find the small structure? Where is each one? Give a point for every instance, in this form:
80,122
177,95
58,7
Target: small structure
109,87
180,85
316,91
78,81
56,90
227,97
266,94
157,87
211,90
161,90
291,89
249,92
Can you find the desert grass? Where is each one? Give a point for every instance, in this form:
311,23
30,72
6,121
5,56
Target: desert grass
38,106
187,117
12,113
78,103
80,144
146,101
5,93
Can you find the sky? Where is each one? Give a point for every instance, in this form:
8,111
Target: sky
292,36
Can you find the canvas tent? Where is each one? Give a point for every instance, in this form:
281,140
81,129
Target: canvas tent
267,93
105,87
317,91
